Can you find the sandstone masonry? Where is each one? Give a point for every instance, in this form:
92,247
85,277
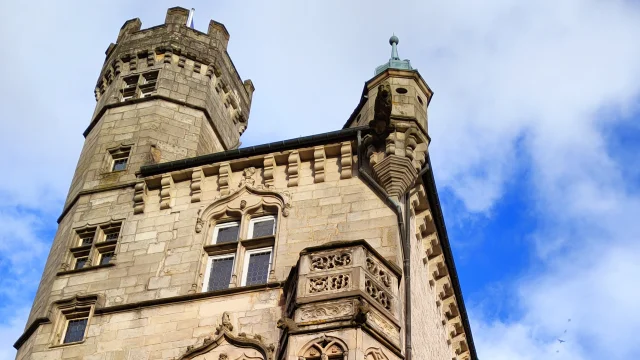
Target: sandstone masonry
174,244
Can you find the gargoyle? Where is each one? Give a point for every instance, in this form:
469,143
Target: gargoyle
286,324
382,109
362,310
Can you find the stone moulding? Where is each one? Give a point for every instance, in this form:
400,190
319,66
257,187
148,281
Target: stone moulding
395,173
223,336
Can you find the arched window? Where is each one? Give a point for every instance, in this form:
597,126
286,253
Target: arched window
325,348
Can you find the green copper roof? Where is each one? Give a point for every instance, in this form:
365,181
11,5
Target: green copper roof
394,62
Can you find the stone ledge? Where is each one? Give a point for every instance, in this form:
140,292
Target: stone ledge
87,268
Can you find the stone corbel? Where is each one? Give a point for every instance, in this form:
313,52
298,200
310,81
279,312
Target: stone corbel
269,169
346,160
181,61
151,58
319,161
166,184
224,176
293,168
196,183
140,190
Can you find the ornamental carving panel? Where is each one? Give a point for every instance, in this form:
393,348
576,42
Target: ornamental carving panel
378,272
377,293
384,326
326,311
330,261
335,282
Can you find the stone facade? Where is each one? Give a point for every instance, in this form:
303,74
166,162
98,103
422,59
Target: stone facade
172,245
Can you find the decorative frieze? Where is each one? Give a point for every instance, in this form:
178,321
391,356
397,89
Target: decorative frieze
224,175
319,161
269,168
293,168
384,326
139,192
346,160
330,261
166,184
335,282
326,311
196,184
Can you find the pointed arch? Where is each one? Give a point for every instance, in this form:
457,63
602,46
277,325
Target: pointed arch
324,348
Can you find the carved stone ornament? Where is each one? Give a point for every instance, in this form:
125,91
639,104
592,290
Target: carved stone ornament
199,225
375,354
330,261
375,269
286,324
335,282
224,345
324,348
246,198
326,310
382,110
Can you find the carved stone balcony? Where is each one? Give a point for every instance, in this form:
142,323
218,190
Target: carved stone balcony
344,285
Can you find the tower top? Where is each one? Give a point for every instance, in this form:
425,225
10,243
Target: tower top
394,62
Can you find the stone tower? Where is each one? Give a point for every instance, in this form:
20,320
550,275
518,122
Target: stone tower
174,244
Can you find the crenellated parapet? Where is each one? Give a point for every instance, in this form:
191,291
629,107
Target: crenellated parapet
194,68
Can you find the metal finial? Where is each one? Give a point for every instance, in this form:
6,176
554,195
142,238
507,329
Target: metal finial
394,47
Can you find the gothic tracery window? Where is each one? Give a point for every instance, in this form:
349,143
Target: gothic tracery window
325,348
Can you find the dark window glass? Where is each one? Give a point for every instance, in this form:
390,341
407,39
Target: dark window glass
87,240
75,330
258,269
111,236
220,274
119,164
80,262
106,258
263,228
227,234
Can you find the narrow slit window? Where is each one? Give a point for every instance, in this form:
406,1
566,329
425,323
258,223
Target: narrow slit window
262,226
75,330
219,272
257,267
226,232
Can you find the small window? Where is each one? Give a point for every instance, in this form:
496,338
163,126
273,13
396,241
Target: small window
219,271
256,267
262,226
86,236
81,262
106,258
75,331
226,232
119,159
401,90
139,86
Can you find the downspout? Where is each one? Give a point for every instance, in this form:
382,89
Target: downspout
403,220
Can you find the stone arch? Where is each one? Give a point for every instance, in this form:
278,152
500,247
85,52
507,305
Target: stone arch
324,348
375,354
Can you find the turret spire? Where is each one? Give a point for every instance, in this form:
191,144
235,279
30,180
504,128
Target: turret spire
394,62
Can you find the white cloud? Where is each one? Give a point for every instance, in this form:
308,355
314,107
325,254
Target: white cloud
534,85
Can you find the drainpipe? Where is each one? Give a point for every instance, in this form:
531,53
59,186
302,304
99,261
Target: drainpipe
403,220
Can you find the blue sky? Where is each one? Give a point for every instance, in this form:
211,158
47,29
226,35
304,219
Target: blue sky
534,124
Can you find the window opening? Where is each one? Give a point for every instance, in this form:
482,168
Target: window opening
256,267
219,272
262,226
226,232
119,159
75,330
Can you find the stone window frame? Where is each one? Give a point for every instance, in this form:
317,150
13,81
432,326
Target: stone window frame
240,249
122,152
102,243
67,310
139,85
